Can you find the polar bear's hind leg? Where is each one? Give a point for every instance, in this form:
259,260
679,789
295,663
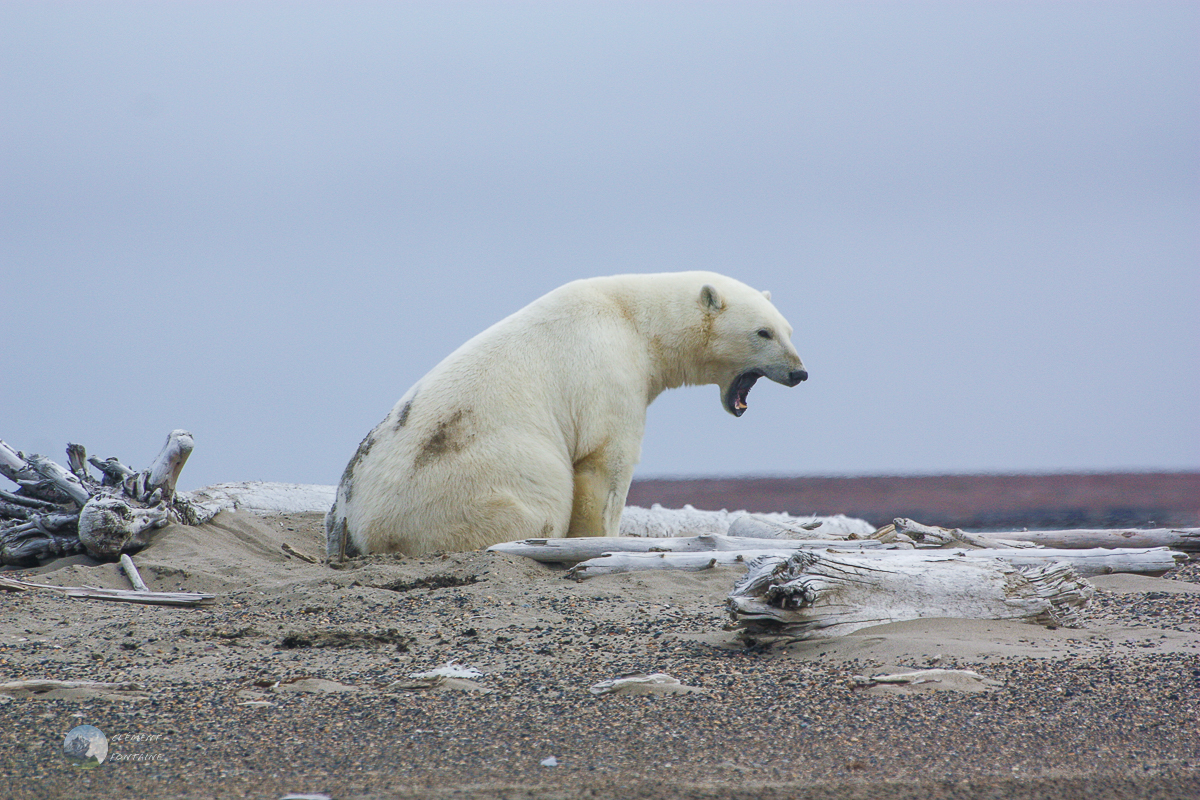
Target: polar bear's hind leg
599,496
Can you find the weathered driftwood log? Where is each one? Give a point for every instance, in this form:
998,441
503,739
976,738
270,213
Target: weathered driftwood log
609,556
131,572
614,563
572,551
820,595
1185,539
57,511
932,535
115,595
1095,561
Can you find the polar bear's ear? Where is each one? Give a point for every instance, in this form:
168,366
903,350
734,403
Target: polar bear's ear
710,298
766,294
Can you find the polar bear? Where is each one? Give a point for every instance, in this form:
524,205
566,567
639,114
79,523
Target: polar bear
532,428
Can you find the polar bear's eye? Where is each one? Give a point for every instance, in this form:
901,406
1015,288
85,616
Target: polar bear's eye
764,333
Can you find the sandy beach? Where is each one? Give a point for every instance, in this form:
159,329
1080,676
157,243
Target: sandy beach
297,680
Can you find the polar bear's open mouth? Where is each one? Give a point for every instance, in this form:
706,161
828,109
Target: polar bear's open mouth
739,390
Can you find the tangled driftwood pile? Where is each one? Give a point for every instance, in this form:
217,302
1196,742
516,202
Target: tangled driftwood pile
55,511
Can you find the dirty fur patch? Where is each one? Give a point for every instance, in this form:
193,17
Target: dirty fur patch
402,419
364,448
450,436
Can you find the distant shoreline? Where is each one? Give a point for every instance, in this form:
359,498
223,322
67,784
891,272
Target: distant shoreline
976,501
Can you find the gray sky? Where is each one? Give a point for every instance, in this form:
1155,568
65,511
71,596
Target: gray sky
263,223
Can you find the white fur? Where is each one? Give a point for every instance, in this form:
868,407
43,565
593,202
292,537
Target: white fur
533,427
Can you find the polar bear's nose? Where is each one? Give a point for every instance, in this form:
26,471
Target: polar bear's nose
795,376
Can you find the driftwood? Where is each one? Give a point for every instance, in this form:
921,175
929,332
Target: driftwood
1098,561
614,563
1184,539
39,687
56,511
809,595
1095,561
572,551
114,595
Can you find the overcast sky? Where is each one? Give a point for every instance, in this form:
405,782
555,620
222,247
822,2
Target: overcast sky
264,222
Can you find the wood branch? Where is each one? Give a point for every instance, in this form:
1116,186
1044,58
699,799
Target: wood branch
572,551
16,466
114,595
38,686
77,461
13,466
113,470
131,572
29,502
615,563
1094,561
928,534
164,471
1185,539
64,481
821,595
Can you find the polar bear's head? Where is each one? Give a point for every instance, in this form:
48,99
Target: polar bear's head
748,339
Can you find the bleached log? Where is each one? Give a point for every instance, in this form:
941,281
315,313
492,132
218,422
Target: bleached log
114,595
28,502
77,461
163,473
131,572
43,685
12,465
927,534
615,563
1185,539
1095,561
820,595
572,551
40,478
63,480
932,535
114,471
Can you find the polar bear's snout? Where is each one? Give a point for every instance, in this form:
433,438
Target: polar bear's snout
796,376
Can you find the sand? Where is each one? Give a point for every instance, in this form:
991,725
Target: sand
298,680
